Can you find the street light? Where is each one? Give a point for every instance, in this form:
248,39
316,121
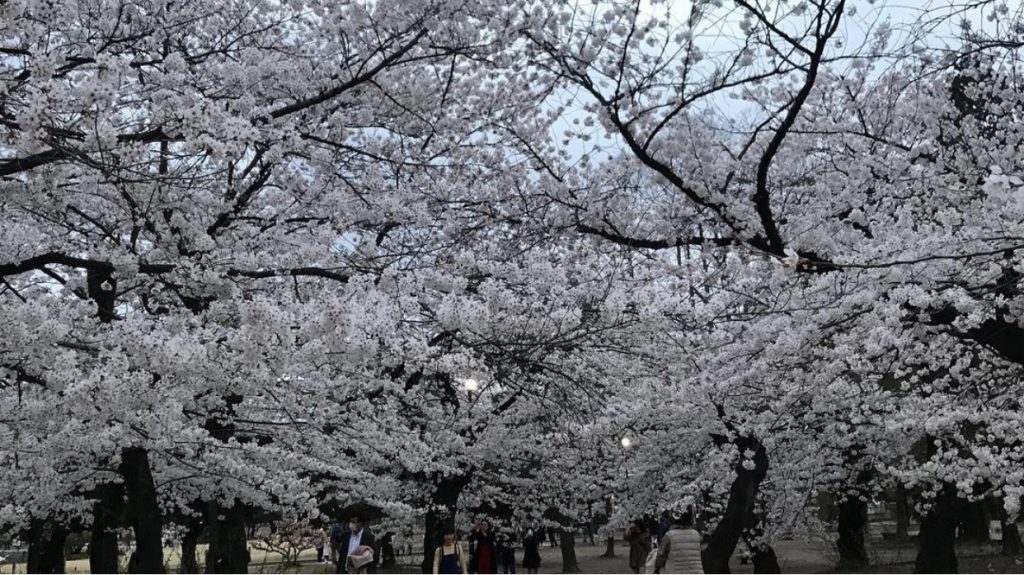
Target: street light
627,439
471,386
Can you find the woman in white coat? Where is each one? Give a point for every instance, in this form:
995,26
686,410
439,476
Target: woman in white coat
679,550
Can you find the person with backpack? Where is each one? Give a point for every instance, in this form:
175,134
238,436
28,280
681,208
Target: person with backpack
449,557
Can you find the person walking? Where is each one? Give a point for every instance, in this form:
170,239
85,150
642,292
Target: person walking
387,550
334,540
663,527
679,550
506,545
553,536
531,549
323,546
449,557
353,541
407,533
639,541
484,555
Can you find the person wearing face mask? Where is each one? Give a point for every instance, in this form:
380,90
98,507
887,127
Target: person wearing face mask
354,541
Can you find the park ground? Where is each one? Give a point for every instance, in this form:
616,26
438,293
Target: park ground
794,557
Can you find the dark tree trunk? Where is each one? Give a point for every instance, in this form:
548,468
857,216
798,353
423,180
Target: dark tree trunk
742,496
1011,538
974,522
828,511
609,551
853,522
46,546
902,513
143,511
765,560
1010,544
228,552
762,555
432,533
936,543
102,289
189,541
568,547
106,517
440,516
109,508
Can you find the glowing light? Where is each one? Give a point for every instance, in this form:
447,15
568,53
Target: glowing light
471,385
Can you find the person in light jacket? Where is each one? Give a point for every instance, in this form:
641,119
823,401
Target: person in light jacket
679,551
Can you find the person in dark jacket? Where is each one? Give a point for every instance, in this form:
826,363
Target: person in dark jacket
663,527
387,550
639,541
553,536
506,545
484,557
532,541
356,535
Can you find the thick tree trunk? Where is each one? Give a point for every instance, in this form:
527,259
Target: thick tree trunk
228,552
765,560
762,555
46,546
1010,544
143,511
902,513
1011,538
432,534
936,543
439,517
568,547
609,551
853,522
109,508
189,542
742,495
974,522
609,547
106,517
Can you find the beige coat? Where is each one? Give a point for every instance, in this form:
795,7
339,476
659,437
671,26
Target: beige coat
680,552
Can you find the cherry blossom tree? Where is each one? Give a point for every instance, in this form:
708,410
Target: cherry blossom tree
250,251
885,280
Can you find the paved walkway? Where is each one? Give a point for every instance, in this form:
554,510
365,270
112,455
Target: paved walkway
794,557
